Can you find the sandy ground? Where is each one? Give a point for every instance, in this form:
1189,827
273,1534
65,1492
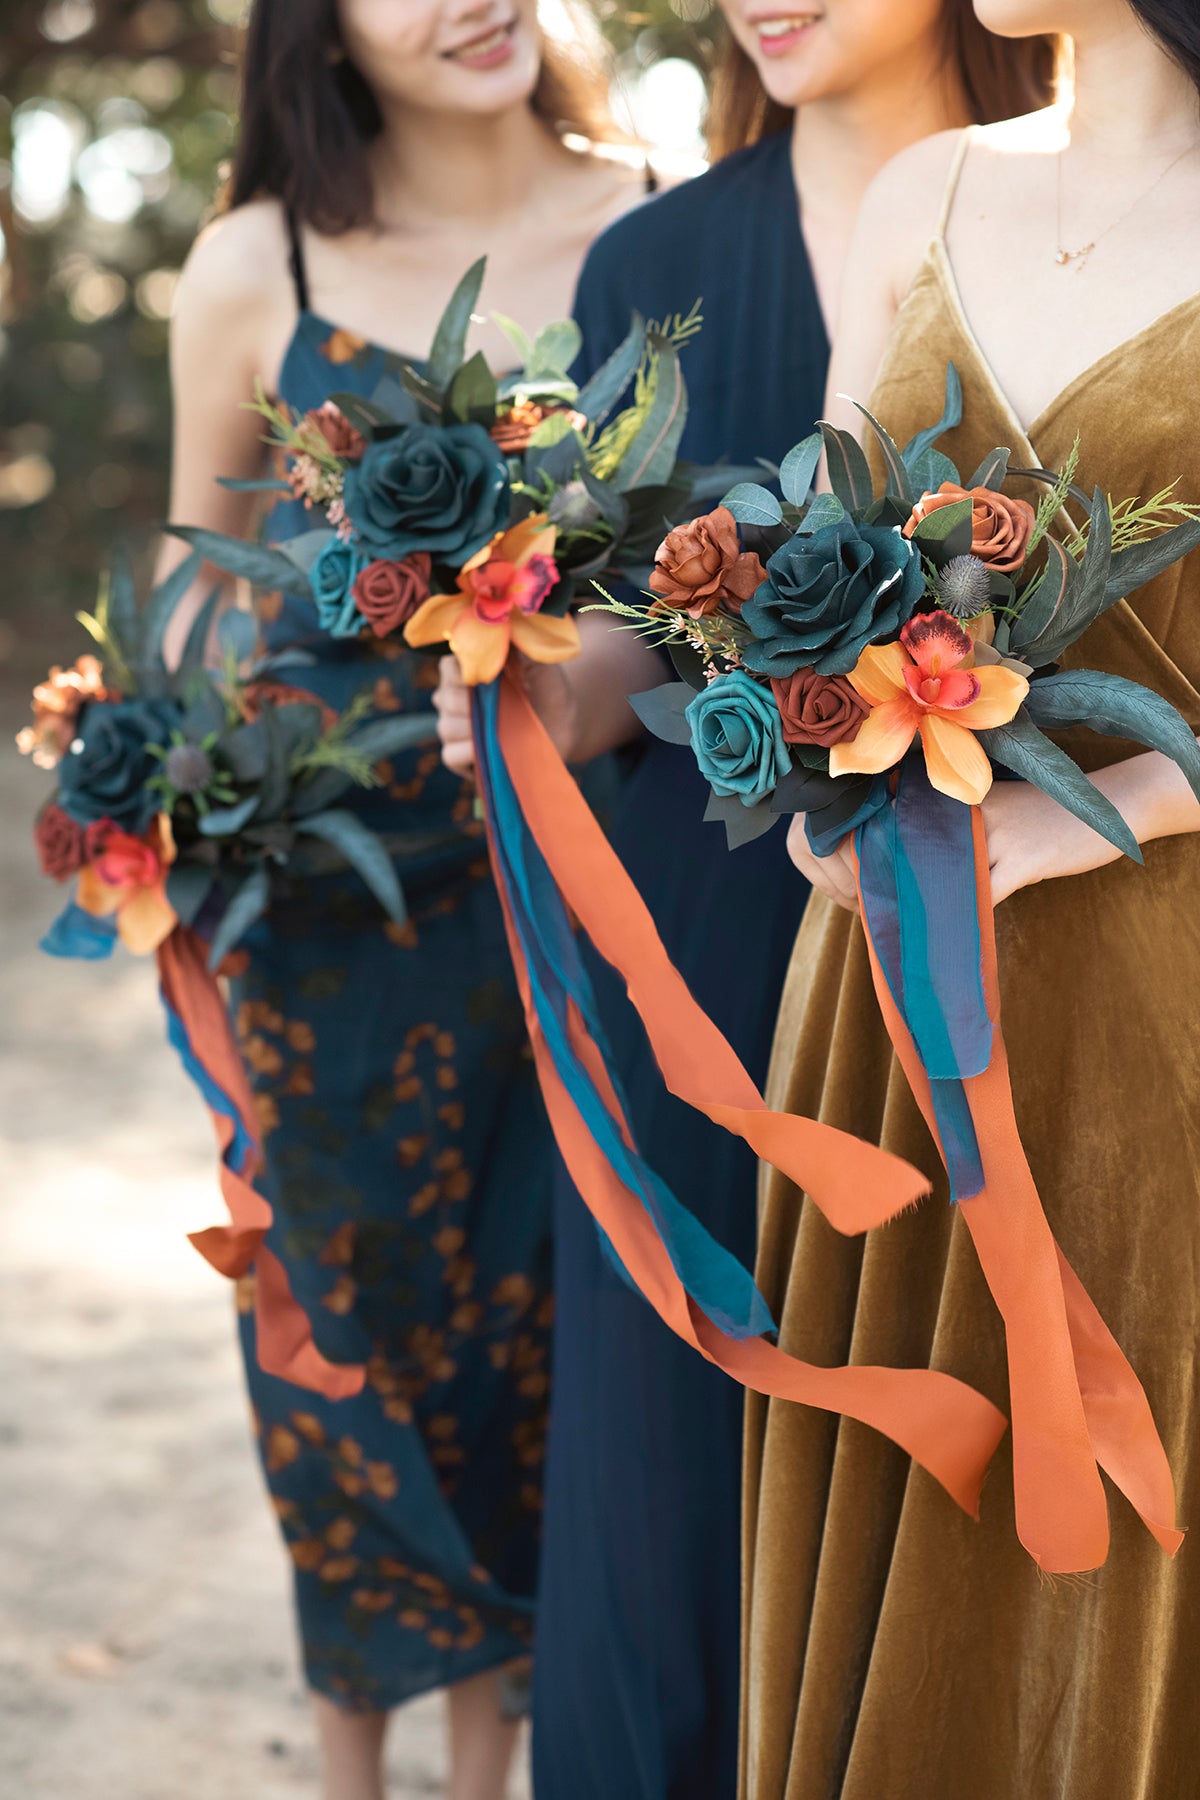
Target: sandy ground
146,1646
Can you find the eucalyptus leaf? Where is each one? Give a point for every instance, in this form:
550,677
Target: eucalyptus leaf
923,441
929,470
389,736
651,457
689,665
204,714
393,400
1043,600
362,413
517,336
365,854
1116,707
161,609
472,393
992,471
256,563
249,903
552,430
237,634
599,395
1021,747
899,483
742,823
188,886
555,348
751,504
849,471
1133,567
427,397
661,711
825,510
798,468
948,528
305,549
122,604
195,649
450,338
1086,595
277,773
224,821
245,752
237,484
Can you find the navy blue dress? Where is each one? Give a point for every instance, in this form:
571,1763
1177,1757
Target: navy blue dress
636,1664
408,1163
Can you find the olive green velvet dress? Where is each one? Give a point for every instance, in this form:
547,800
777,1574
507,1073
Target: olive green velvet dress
893,1648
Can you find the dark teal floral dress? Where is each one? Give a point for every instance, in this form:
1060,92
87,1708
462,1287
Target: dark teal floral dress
408,1166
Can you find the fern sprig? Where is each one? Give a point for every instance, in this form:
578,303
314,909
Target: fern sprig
332,751
1054,499
1137,521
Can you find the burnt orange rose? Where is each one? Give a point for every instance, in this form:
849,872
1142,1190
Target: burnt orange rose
700,564
1001,525
341,436
818,709
512,432
57,704
59,843
119,859
389,593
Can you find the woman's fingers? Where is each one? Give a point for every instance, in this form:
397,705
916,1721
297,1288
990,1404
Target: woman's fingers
452,703
830,875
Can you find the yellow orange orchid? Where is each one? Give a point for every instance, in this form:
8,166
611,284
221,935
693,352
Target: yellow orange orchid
927,683
500,592
127,876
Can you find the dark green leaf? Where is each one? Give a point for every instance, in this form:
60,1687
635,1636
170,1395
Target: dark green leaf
742,823
195,649
1021,747
256,563
651,457
807,790
924,441
247,906
365,854
237,634
205,711
751,504
945,532
661,711
849,471
929,470
245,752
992,471
1140,563
188,887
392,399
305,549
689,665
389,736
450,338
598,396
428,398
1043,600
277,774
161,607
825,510
1117,708
798,467
517,336
472,393
224,821
899,484
122,604
1087,591
236,484
362,413
555,348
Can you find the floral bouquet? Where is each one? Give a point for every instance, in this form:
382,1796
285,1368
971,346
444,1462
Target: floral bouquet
181,794
874,661
457,507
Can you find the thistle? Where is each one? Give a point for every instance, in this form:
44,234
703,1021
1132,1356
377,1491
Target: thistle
964,587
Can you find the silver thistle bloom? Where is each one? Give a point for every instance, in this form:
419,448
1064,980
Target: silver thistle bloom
572,507
964,586
188,768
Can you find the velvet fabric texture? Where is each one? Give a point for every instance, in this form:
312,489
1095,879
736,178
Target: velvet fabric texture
892,1647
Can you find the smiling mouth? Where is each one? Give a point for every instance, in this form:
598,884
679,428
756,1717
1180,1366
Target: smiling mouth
484,49
778,34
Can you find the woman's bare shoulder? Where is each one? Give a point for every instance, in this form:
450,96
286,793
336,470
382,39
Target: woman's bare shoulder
238,262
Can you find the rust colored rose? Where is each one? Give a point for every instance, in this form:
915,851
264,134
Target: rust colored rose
57,704
388,593
1001,525
341,436
700,564
59,843
512,432
818,709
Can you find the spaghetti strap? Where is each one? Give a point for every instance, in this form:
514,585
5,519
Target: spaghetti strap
649,177
296,259
965,140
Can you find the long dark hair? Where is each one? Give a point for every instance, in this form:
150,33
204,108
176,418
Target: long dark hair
307,115
1000,77
1176,25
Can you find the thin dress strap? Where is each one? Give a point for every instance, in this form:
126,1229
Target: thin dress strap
965,140
296,259
649,177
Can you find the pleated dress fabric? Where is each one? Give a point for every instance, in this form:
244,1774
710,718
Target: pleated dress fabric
408,1163
636,1671
893,1648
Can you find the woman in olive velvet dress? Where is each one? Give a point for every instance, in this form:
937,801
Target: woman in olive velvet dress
893,1646
635,1671
384,147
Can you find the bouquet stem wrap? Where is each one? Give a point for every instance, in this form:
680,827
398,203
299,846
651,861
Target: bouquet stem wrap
552,861
199,1027
1077,1406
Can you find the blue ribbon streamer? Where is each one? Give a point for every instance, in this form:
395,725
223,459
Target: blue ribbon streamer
711,1275
917,869
241,1144
80,935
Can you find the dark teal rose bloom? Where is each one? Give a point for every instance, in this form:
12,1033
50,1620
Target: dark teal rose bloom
828,596
333,575
737,736
104,773
439,488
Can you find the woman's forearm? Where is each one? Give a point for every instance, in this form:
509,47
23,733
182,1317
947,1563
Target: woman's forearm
1152,795
613,663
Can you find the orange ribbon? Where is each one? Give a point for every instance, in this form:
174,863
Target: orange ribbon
948,1428
1077,1405
283,1331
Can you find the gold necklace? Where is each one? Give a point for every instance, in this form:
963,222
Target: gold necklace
1064,257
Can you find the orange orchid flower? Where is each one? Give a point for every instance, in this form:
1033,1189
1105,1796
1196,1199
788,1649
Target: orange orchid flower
497,605
928,684
127,876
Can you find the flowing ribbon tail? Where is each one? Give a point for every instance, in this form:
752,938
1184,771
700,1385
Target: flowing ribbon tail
199,1028
1075,1400
548,851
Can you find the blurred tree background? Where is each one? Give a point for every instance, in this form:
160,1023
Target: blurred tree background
115,119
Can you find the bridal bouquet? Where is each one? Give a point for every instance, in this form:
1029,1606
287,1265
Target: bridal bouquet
182,793
458,507
875,660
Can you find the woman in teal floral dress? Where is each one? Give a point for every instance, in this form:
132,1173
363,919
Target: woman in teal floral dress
407,1159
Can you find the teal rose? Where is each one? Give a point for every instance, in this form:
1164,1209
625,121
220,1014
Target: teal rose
737,737
332,577
443,489
830,594
104,773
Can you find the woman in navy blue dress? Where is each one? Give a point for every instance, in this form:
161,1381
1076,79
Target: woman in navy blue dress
636,1661
407,1157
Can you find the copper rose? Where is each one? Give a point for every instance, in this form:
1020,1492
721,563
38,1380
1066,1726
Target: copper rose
700,564
341,436
512,432
388,593
818,709
1001,525
59,843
